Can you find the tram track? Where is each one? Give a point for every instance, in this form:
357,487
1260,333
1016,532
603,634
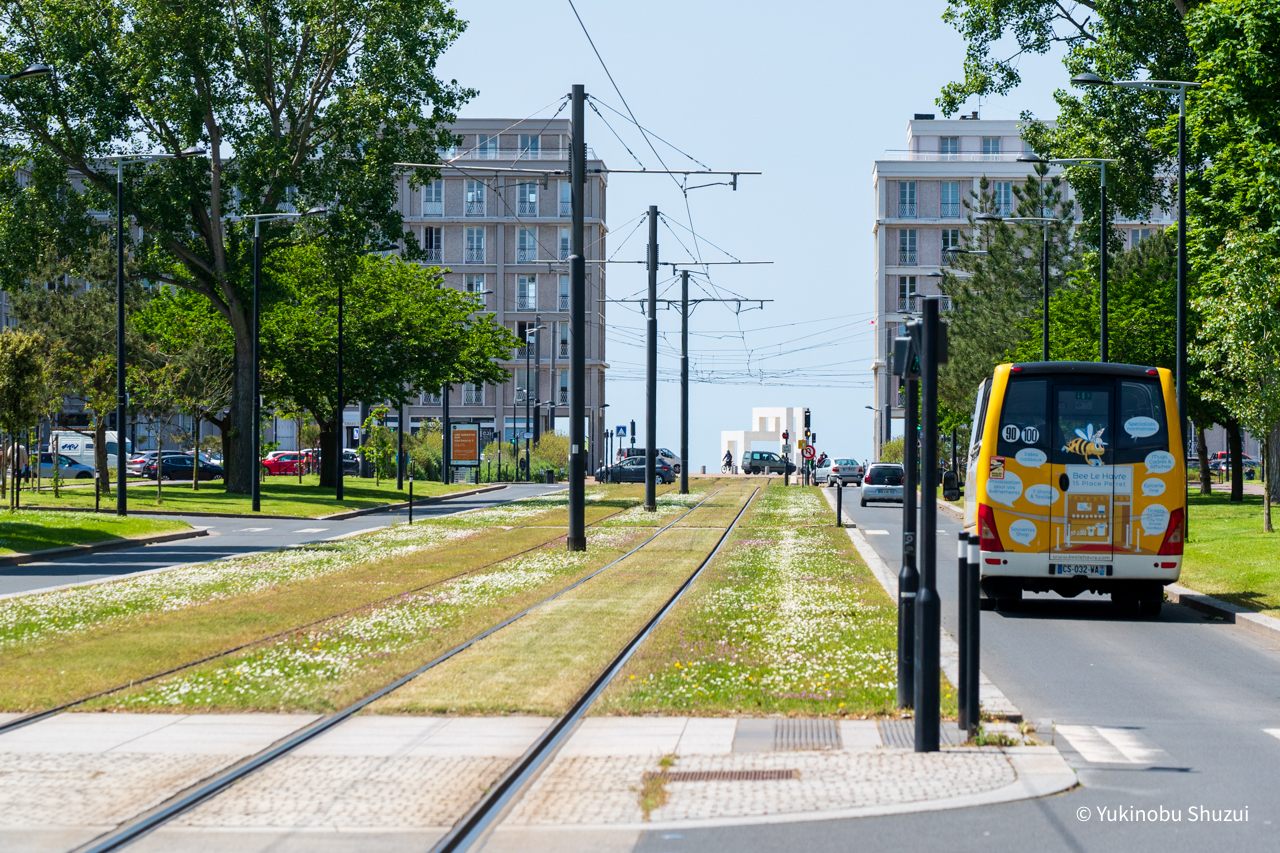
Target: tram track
213,784
37,716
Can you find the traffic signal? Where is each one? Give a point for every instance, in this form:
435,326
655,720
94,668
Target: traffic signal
806,420
906,351
785,435
813,438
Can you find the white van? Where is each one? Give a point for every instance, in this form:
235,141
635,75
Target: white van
79,446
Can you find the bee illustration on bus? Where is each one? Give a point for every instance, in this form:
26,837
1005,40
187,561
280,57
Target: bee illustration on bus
1088,444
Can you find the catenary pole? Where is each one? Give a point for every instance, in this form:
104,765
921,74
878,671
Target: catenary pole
928,606
537,378
684,382
256,449
446,435
908,576
341,439
577,538
651,370
122,397
1103,354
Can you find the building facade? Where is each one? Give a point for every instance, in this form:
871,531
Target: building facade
920,195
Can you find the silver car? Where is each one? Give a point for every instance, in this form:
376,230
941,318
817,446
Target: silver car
838,472
883,482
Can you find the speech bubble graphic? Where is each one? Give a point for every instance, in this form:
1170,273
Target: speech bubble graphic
1141,427
1031,457
1159,462
1155,520
1022,531
1152,487
1005,491
1042,495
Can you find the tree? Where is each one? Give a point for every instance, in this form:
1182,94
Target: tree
996,297
379,445
404,332
317,102
23,374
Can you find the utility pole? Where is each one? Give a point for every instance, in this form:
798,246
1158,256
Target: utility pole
684,382
528,414
908,576
928,606
651,370
340,440
400,422
577,538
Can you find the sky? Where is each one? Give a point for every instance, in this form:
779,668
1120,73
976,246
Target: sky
810,99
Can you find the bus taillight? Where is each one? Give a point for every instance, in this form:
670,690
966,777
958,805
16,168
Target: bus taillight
1172,543
988,536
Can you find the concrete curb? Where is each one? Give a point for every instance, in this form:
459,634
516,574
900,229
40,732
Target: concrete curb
991,699
94,547
1251,621
356,513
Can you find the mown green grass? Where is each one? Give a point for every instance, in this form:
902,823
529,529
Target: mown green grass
1228,556
280,496
787,620
25,531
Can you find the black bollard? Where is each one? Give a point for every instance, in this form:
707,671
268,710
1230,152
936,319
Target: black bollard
962,601
411,499
840,504
975,633
97,492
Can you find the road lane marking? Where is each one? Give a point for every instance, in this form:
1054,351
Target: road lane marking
311,530
1275,733
253,530
1101,745
875,533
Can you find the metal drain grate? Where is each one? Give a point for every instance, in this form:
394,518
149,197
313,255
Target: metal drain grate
726,775
901,734
790,734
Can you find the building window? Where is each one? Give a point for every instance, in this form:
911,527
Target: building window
475,245
487,147
949,147
472,395
906,293
1138,235
563,396
566,199
526,293
433,244
526,246
1004,197
530,146
564,244
563,302
907,199
474,283
527,199
433,198
475,198
562,333
523,333
990,145
950,199
950,240
429,398
907,247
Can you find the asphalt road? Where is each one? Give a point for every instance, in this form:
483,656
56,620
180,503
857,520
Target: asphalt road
229,537
1158,714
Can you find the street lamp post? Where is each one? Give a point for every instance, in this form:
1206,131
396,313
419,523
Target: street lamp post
1179,88
1044,222
122,396
257,371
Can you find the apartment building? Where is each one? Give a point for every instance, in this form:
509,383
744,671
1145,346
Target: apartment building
504,235
920,194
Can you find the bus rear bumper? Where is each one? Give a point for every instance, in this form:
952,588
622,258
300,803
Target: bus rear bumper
1038,573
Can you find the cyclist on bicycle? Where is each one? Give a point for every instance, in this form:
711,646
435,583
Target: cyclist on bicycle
727,462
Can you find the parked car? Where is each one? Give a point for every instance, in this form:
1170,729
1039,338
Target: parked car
883,482
282,462
68,468
139,460
765,462
177,466
631,470
663,453
839,472
1222,465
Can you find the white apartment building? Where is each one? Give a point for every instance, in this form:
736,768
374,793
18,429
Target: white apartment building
920,195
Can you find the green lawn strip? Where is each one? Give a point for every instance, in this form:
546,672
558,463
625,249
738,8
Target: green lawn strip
786,620
25,531
1228,556
542,663
280,496
334,664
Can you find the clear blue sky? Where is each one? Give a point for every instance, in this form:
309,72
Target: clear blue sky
810,99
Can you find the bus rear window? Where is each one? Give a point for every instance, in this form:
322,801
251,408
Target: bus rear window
1142,423
1022,417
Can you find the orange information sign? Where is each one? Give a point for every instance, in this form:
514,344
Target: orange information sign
466,444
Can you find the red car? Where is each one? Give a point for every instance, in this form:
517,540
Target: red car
282,462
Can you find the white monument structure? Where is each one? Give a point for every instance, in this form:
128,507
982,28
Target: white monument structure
767,425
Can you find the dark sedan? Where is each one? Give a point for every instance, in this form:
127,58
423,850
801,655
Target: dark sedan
178,467
631,470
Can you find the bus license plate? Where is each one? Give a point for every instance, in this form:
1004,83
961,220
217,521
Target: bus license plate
1079,569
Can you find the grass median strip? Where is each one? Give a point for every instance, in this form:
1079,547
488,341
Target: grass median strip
786,620
1228,556
26,531
62,645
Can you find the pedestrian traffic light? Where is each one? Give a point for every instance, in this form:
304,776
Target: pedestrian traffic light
806,420
786,435
813,438
906,351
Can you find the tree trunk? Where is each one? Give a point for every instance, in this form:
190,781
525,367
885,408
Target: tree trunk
240,462
1236,456
195,454
1270,473
100,453
330,454
1202,451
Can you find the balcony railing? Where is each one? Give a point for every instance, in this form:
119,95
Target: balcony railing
473,208
564,302
526,303
564,396
907,257
472,397
968,156
518,154
564,347
906,210
951,209
526,255
914,305
564,251
433,208
474,255
433,255
566,208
